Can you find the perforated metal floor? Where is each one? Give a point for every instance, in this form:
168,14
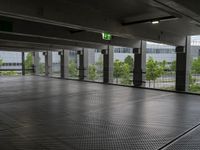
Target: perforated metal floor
44,113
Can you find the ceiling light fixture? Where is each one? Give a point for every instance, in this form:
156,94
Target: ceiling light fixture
155,22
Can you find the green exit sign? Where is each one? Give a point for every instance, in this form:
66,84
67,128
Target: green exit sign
106,36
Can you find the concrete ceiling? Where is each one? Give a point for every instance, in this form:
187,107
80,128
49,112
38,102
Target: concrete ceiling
128,20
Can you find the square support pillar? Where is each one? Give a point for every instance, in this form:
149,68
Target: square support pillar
36,60
139,64
66,62
108,64
188,62
81,64
137,77
183,58
61,53
86,64
23,63
111,62
48,63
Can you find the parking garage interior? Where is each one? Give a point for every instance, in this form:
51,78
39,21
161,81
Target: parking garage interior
99,75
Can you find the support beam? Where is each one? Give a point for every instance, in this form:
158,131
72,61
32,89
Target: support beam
85,57
36,60
181,59
137,72
105,66
48,63
62,61
108,64
144,51
81,64
23,64
111,62
139,65
188,62
66,62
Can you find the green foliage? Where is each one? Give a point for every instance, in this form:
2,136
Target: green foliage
173,66
29,61
196,66
125,74
118,69
163,64
153,70
191,79
1,62
194,88
73,71
122,72
129,60
92,72
8,73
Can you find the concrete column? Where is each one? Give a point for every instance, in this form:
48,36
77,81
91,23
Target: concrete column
48,63
105,66
86,64
181,58
137,71
108,64
36,60
144,55
188,61
61,53
66,63
81,64
111,63
139,65
23,63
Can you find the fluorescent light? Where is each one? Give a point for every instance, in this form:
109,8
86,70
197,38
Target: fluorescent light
155,22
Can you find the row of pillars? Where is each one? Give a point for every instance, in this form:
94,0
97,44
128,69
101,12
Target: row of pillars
182,64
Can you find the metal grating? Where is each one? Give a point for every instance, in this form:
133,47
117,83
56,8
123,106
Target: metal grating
43,113
189,142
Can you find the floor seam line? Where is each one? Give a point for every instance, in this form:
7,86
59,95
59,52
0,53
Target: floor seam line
180,137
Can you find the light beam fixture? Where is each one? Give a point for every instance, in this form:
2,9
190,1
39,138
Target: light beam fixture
155,22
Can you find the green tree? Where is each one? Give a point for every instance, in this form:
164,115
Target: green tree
99,66
129,60
73,69
125,74
1,62
196,66
92,72
29,61
163,64
118,68
173,66
153,70
191,79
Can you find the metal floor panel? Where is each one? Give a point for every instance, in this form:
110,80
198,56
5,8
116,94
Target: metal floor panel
46,113
190,141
